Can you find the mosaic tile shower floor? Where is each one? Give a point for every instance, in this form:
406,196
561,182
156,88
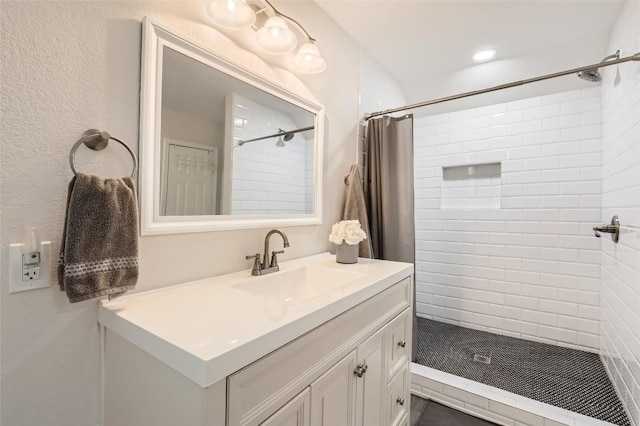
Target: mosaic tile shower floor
566,378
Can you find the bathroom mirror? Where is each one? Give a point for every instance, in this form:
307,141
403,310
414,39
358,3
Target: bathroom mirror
220,147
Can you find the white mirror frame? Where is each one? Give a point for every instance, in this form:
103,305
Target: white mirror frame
154,38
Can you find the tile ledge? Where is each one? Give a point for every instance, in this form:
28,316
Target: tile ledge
504,397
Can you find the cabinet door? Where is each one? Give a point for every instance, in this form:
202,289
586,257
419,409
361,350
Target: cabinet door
371,385
294,413
399,342
405,421
333,395
398,397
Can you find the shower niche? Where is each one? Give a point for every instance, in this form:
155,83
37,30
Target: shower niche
471,186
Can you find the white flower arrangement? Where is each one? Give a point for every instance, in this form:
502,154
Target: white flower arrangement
348,231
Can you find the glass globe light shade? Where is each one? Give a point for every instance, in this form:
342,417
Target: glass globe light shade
231,14
275,37
308,60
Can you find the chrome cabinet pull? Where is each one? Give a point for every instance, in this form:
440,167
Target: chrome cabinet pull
360,369
402,343
400,401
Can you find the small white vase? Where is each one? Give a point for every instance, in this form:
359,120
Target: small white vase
346,253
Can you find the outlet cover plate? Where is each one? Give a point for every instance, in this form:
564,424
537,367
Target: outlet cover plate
15,269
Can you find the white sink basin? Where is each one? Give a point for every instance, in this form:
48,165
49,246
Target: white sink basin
299,284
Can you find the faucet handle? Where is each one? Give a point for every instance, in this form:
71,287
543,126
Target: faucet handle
274,258
257,266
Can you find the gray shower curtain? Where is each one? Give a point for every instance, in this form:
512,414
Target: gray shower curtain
389,191
389,187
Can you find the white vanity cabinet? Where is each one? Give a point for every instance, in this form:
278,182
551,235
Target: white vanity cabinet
350,370
333,395
295,413
344,361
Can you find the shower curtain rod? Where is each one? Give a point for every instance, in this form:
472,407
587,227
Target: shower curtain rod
280,133
635,57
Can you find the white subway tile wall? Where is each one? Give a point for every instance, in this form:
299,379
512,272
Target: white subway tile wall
530,266
268,178
620,321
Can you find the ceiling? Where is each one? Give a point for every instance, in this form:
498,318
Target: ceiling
427,46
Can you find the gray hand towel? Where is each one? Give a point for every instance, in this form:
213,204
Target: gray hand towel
99,250
354,208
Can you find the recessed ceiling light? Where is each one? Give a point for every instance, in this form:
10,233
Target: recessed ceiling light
485,55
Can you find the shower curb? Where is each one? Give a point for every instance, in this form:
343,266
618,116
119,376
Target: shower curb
489,403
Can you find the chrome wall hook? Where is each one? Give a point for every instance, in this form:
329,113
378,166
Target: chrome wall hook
613,229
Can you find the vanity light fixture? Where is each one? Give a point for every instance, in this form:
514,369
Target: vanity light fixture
275,36
308,59
485,55
231,14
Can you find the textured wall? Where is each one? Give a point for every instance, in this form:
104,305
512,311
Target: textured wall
620,322
530,268
69,66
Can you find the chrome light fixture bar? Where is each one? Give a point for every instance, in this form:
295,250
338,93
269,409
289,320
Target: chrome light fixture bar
274,37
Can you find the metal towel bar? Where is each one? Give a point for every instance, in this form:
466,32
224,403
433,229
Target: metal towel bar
98,140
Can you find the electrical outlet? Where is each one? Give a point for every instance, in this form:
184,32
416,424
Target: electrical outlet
29,278
31,274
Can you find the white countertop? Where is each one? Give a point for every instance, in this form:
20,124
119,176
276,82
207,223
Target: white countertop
208,329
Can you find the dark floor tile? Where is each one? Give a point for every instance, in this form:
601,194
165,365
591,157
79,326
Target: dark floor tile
440,415
567,378
418,405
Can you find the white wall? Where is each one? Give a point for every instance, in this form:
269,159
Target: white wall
531,267
69,66
378,91
620,321
190,128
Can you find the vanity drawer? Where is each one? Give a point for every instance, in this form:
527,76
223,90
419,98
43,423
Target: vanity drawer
398,398
399,342
258,390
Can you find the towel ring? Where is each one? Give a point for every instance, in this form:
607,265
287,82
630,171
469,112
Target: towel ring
98,140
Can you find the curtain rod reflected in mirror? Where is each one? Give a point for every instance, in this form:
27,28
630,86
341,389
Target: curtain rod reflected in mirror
288,135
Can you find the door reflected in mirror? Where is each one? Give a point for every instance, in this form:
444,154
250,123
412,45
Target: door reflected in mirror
220,147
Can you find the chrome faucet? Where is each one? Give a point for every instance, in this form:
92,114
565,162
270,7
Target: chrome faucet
264,267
